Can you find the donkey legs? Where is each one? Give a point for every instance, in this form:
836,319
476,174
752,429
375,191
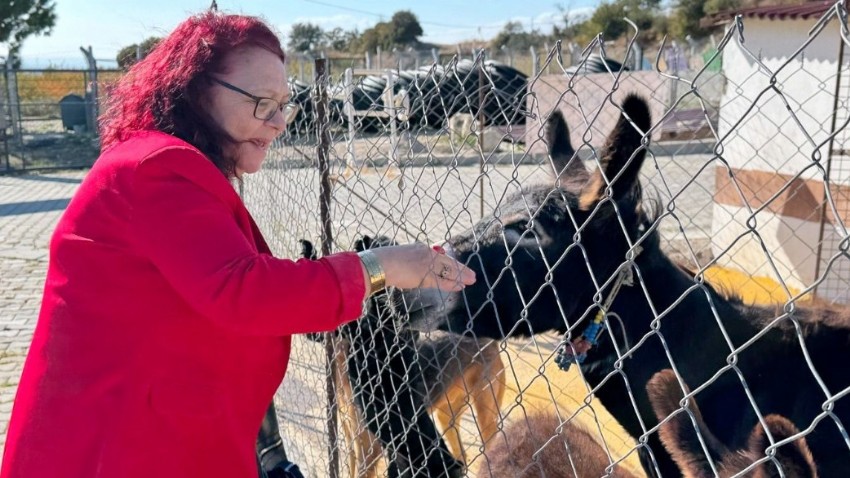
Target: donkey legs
446,418
386,381
481,387
487,400
365,452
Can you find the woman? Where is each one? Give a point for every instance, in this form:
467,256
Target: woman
165,322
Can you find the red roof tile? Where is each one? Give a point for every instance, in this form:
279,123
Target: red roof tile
810,9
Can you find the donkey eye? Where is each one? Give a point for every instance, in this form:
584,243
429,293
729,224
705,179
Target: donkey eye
520,226
515,232
526,233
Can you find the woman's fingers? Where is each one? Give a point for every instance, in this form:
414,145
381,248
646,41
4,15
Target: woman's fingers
461,274
451,275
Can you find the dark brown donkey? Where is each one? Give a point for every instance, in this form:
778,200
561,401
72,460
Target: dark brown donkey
559,252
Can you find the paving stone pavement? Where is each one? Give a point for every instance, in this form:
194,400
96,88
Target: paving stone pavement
30,206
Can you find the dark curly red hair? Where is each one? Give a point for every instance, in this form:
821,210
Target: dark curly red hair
163,91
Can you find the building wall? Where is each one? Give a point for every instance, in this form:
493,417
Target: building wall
768,197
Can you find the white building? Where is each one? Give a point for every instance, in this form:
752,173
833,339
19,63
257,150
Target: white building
787,90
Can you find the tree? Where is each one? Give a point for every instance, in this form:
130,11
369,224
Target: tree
405,28
305,36
687,14
380,35
20,19
514,36
714,6
130,53
402,29
342,40
608,18
571,26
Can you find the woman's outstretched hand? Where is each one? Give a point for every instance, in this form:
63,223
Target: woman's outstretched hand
416,265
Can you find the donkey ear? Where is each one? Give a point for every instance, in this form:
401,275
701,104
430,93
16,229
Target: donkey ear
564,160
381,241
678,434
795,457
622,154
363,243
307,250
664,393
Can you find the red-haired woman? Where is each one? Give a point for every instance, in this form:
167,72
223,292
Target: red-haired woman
165,322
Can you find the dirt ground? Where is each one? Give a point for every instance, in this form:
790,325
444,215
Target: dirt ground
48,150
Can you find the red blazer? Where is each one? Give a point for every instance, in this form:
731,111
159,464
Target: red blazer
165,323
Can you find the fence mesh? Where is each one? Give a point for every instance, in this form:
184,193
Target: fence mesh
747,167
49,117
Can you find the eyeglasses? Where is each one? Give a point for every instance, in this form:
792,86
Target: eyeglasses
264,108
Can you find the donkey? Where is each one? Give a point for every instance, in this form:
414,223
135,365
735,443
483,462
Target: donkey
561,258
678,437
397,378
541,446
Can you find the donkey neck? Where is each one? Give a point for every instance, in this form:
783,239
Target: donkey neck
665,283
686,320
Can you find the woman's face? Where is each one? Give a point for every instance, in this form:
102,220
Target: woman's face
257,72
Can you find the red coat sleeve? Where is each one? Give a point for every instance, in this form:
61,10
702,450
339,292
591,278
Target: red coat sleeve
192,237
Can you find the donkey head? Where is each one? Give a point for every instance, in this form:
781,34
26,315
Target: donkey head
537,257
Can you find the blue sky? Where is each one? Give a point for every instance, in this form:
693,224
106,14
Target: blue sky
108,25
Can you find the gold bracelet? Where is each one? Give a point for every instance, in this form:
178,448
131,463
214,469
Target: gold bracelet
377,278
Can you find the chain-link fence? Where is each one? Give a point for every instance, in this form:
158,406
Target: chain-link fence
704,314
673,56
49,117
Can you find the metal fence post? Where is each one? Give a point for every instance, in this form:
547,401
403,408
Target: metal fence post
389,103
481,98
4,100
15,116
348,109
822,208
91,90
674,87
638,57
322,148
14,103
535,62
